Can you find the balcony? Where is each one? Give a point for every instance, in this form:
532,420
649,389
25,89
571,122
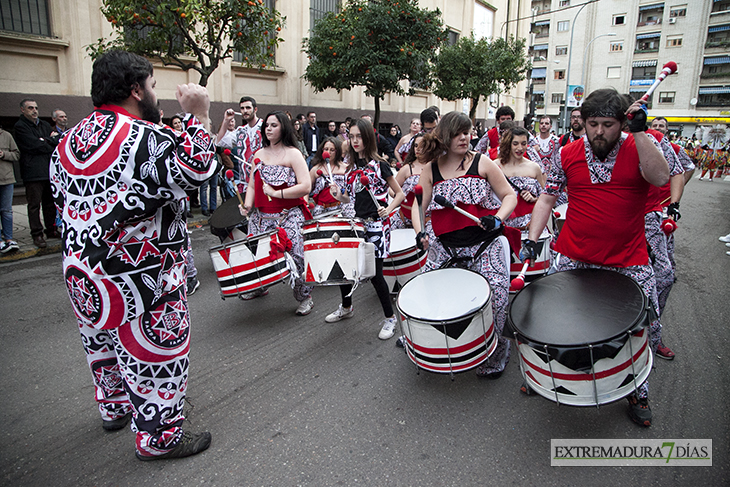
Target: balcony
643,51
649,22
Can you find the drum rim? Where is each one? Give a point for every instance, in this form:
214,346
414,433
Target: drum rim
488,301
332,215
247,239
641,320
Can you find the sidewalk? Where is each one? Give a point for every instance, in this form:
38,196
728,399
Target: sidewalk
21,234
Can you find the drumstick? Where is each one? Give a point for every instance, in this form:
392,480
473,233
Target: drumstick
256,163
229,176
326,157
519,281
229,153
418,191
365,182
669,226
448,204
321,174
667,69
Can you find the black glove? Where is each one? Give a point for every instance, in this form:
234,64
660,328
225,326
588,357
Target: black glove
529,251
638,123
673,211
419,236
491,222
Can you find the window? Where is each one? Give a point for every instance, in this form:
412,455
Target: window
613,72
619,19
453,37
238,55
559,74
678,11
644,72
557,98
720,5
561,51
714,96
565,3
648,42
674,42
616,46
650,14
718,36
666,97
563,25
319,8
25,17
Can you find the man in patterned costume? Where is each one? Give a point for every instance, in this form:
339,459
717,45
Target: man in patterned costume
607,175
119,184
244,141
546,144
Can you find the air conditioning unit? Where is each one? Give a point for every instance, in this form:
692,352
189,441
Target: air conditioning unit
673,20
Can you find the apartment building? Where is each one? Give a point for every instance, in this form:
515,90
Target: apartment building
624,44
42,52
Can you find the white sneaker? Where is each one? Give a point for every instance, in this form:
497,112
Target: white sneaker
254,294
727,245
725,239
305,307
340,314
728,252
388,329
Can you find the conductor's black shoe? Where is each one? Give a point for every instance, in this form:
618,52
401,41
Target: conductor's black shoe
116,424
190,444
639,410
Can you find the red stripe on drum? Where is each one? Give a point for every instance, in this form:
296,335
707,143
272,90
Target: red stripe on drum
582,376
454,350
402,271
332,245
537,266
273,279
445,368
244,268
330,226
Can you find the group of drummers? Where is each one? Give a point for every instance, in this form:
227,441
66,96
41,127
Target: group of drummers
479,210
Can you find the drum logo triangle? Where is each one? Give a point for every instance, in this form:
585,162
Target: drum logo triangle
252,245
336,274
310,276
225,255
455,329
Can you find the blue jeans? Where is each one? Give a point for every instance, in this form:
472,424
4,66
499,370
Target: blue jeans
6,210
209,195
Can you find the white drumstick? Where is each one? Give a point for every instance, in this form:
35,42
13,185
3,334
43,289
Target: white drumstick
448,204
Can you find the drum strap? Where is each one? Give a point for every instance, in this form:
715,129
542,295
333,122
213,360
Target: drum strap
455,261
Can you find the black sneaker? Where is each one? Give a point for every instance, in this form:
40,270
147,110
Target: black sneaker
639,410
190,444
193,285
116,424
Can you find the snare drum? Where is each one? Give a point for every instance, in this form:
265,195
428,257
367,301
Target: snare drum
227,223
246,265
582,336
536,269
446,316
405,261
331,247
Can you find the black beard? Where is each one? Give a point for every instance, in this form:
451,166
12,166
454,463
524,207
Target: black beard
150,110
576,127
602,152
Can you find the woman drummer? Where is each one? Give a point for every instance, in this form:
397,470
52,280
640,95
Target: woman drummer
407,178
320,177
405,143
275,196
524,175
367,164
476,184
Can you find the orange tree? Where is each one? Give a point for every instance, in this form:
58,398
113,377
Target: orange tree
193,34
471,68
375,44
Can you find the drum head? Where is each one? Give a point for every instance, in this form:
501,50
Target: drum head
227,215
443,295
578,307
402,239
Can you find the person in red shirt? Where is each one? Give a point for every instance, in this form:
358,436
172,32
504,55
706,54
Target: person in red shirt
607,176
490,140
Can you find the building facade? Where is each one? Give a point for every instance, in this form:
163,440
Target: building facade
42,52
624,45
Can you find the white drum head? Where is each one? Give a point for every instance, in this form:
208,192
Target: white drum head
402,239
444,295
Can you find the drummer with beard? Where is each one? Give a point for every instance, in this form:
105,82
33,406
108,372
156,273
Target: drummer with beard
607,175
476,184
277,186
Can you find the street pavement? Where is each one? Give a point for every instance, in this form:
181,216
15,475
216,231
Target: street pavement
296,401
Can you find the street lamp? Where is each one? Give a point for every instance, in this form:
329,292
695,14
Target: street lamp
570,56
585,54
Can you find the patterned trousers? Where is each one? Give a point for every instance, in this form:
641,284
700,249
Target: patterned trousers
663,268
644,277
142,367
492,264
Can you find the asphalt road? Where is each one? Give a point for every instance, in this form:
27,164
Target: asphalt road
297,401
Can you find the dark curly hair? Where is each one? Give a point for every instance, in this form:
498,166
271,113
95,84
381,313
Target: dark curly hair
115,75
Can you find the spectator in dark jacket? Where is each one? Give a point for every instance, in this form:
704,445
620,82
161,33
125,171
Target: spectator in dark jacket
36,141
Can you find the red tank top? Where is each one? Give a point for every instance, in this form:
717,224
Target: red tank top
276,205
606,221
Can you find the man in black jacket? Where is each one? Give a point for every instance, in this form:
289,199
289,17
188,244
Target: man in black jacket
36,141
